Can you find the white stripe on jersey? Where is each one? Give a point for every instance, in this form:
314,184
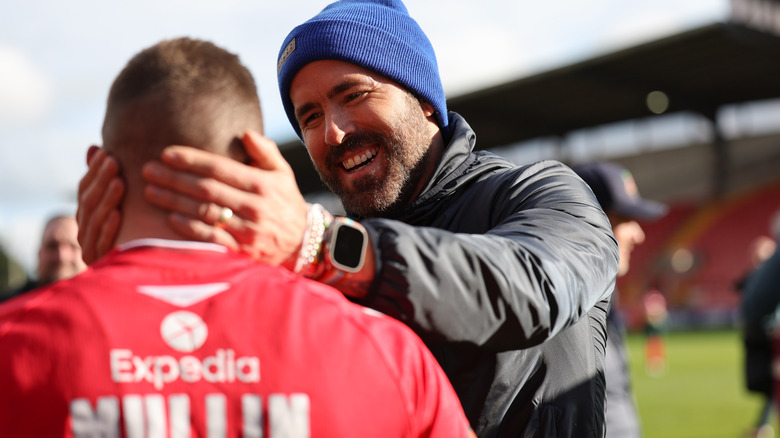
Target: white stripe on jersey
183,295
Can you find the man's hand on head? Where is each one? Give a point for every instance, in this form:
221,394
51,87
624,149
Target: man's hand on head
269,212
100,194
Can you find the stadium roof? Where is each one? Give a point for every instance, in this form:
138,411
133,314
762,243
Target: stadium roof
698,70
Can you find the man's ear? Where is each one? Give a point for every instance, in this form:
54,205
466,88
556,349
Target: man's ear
427,109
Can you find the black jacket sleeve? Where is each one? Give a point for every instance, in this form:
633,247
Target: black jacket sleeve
503,262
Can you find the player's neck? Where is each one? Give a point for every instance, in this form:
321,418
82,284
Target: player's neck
141,221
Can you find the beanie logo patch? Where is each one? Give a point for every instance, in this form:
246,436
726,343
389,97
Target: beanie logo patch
285,54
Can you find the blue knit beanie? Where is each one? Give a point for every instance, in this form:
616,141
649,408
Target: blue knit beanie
378,35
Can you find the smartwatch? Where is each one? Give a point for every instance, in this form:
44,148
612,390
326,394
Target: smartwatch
346,243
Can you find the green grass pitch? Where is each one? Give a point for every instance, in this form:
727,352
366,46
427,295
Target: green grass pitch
701,394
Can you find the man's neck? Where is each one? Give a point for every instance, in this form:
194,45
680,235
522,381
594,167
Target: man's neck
141,221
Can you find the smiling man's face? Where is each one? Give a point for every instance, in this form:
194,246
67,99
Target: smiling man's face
59,256
370,139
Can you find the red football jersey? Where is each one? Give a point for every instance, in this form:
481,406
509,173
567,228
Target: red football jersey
181,339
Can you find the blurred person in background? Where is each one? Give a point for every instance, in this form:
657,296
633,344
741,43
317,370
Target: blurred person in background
760,249
617,192
656,313
758,313
59,255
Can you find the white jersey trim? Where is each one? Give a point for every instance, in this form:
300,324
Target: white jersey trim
179,295
173,244
183,295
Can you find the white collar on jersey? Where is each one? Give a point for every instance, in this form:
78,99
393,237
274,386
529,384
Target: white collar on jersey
182,295
173,244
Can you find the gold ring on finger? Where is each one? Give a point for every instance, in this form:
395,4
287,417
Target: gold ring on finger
225,214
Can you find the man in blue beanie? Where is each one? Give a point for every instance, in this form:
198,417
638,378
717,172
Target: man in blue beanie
504,271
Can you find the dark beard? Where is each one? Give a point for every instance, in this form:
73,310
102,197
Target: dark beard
405,152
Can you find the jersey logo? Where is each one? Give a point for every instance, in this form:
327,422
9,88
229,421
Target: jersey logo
184,331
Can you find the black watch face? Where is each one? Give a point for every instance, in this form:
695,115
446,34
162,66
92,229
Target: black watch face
348,247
